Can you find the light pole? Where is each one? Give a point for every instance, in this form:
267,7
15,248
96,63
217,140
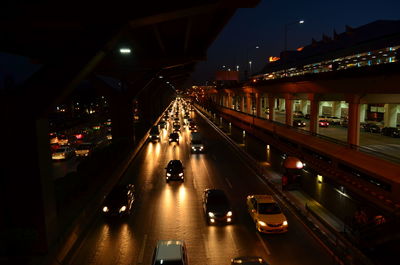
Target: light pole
248,59
286,29
250,67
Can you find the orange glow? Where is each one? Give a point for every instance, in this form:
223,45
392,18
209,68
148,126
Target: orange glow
254,80
300,49
273,59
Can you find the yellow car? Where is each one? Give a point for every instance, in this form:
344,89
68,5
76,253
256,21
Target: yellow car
266,214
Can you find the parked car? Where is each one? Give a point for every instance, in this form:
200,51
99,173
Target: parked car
84,149
298,123
333,120
298,114
63,153
119,201
391,131
323,123
372,127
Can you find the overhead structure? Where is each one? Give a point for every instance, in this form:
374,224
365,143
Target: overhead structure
125,40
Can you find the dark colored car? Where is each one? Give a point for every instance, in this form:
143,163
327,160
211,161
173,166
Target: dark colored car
299,123
162,125
371,127
119,201
192,126
216,206
250,260
298,114
154,134
176,128
174,137
391,131
174,170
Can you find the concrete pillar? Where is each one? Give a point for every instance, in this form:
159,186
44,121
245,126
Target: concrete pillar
314,113
28,210
271,107
289,110
121,109
258,104
320,108
230,101
248,103
242,99
337,109
281,104
363,111
353,130
304,106
390,115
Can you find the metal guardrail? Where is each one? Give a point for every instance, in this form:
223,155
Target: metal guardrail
342,250
327,138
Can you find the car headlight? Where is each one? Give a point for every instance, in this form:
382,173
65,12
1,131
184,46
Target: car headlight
168,174
157,136
201,147
105,209
210,214
262,223
123,208
193,147
229,213
285,223
180,174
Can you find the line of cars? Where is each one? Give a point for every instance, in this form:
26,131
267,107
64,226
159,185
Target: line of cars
377,128
263,209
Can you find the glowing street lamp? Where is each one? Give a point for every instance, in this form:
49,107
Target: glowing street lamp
125,51
286,29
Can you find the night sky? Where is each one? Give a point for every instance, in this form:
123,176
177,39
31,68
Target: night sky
264,26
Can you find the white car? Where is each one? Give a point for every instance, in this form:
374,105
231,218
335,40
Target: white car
266,214
63,153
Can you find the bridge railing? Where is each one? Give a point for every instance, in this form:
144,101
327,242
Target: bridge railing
366,150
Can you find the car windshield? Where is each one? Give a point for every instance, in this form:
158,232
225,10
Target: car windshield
218,199
269,208
84,147
154,130
61,150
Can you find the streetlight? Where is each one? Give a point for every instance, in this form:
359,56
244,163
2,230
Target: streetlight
248,58
237,67
286,29
250,67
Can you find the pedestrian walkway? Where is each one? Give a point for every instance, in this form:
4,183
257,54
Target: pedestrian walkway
321,213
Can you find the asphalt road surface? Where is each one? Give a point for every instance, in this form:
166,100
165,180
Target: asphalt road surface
174,211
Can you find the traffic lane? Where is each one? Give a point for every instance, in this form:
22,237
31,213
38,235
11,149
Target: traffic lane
284,248
119,241
161,211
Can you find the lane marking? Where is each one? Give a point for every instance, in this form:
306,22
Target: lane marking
141,253
229,183
205,246
263,244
